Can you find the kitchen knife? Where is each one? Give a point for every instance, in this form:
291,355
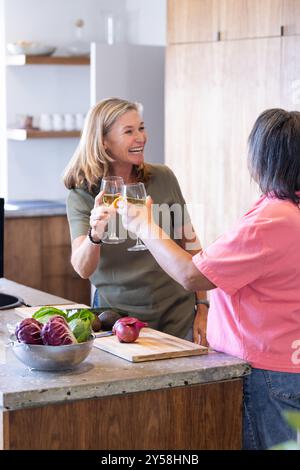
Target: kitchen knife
104,333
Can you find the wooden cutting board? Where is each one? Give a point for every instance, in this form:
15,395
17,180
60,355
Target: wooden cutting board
26,312
150,345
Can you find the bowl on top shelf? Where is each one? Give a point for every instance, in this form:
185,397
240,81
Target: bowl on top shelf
30,48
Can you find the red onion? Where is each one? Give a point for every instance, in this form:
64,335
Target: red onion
127,329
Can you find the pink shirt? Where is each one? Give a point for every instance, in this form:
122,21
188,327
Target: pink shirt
255,311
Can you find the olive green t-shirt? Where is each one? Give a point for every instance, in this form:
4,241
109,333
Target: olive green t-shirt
133,281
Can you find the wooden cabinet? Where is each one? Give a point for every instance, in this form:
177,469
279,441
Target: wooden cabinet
290,73
214,92
192,20
37,253
212,20
192,126
168,419
291,17
22,245
240,19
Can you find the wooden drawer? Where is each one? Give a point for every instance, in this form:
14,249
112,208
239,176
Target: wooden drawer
22,251
55,231
37,253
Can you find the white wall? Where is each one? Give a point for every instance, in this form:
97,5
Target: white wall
3,159
53,20
34,167
147,21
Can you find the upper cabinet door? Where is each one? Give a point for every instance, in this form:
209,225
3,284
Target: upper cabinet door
192,20
214,93
290,73
291,17
241,19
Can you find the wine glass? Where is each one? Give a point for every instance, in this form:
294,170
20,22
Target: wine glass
112,187
135,193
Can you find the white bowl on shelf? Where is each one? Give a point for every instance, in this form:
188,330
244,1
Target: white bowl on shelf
30,48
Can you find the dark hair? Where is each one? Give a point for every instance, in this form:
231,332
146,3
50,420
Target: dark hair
274,153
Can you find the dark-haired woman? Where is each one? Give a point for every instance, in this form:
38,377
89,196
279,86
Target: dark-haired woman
254,270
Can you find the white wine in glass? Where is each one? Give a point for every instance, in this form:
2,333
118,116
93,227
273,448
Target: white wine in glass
108,199
135,193
112,187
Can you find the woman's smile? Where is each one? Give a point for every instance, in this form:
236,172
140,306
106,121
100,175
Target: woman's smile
126,140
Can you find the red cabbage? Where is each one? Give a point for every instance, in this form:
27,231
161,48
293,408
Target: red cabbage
29,331
56,332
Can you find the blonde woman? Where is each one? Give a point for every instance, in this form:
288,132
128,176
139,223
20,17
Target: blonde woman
112,143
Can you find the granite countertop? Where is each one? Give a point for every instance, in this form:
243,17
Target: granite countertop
101,374
34,208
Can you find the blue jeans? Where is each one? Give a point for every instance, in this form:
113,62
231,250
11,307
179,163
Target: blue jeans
96,299
266,395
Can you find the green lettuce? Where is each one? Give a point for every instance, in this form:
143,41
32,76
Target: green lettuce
81,329
45,313
79,320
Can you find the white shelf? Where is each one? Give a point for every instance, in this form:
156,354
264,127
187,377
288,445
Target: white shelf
23,59
25,134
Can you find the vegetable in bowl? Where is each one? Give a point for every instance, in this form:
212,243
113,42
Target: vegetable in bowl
79,322
56,332
54,340
51,358
29,331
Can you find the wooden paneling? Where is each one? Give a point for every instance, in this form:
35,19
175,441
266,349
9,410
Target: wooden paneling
22,251
37,253
56,261
291,17
204,416
250,18
214,92
200,20
192,20
193,127
251,78
55,231
290,73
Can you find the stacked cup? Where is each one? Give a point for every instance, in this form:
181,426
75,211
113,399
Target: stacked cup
61,122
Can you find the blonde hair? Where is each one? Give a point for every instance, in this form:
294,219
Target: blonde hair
90,161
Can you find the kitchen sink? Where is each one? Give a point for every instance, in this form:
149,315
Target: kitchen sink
15,205
9,301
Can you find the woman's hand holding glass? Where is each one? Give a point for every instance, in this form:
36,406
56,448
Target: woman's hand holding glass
111,187
135,209
100,216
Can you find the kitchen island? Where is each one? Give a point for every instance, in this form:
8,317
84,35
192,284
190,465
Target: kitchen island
110,403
